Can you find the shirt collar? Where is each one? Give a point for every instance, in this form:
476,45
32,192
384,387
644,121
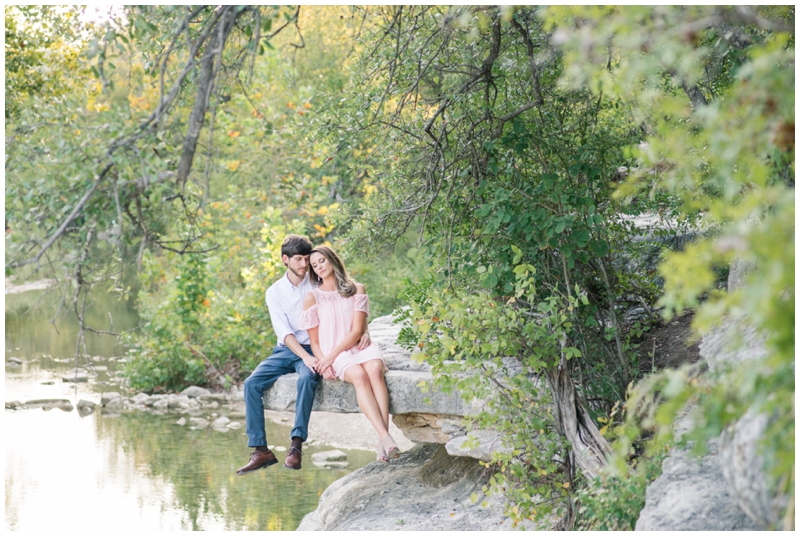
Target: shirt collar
289,281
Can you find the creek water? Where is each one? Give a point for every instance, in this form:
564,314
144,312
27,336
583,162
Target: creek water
136,471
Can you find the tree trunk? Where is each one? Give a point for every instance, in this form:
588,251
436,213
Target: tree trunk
208,71
575,424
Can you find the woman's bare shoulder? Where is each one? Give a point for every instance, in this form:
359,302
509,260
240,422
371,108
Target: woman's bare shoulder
360,289
309,301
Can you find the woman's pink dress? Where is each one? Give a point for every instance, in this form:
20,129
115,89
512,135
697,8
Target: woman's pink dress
333,313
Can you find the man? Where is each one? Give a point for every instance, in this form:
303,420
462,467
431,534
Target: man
292,354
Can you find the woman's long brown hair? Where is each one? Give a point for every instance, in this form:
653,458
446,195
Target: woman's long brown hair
344,283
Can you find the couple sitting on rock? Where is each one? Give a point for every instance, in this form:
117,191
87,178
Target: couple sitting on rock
319,315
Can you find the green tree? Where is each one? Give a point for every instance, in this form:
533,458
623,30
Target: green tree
714,88
511,152
107,174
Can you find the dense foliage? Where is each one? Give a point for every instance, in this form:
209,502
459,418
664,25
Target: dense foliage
727,153
519,139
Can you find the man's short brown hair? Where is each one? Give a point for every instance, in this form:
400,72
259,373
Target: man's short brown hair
296,245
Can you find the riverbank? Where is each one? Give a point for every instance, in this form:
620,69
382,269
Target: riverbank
41,284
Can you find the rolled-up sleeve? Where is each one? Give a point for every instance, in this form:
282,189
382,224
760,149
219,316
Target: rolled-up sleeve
280,320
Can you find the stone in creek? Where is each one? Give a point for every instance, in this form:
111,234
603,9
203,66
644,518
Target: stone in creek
212,405
49,383
76,377
12,364
181,421
141,398
115,404
198,423
16,360
150,402
329,456
16,404
220,422
100,368
47,404
180,402
194,391
278,448
108,397
219,397
85,407
236,425
160,404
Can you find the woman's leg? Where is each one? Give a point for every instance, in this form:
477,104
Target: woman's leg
375,371
357,376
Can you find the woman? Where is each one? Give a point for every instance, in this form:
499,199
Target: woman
334,314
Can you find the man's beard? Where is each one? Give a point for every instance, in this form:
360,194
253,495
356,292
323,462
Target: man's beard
301,276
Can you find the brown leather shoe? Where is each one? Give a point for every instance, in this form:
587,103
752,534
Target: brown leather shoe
293,457
258,460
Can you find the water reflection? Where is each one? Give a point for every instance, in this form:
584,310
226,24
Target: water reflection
140,471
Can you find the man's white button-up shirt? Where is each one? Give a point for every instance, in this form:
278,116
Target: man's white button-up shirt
285,303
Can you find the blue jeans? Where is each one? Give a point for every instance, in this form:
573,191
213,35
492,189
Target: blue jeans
282,361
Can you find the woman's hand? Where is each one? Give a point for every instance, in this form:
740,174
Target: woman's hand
364,341
329,374
325,365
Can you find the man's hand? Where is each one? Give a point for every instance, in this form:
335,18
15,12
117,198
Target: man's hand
364,341
311,362
325,367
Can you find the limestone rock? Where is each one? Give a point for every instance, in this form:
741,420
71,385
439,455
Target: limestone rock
415,408
452,427
14,360
734,342
108,397
421,427
489,441
113,405
743,468
218,397
151,400
194,391
181,421
197,423
160,404
737,273
47,404
220,422
15,404
384,331
234,425
425,489
405,396
85,406
730,343
179,402
141,398
691,494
